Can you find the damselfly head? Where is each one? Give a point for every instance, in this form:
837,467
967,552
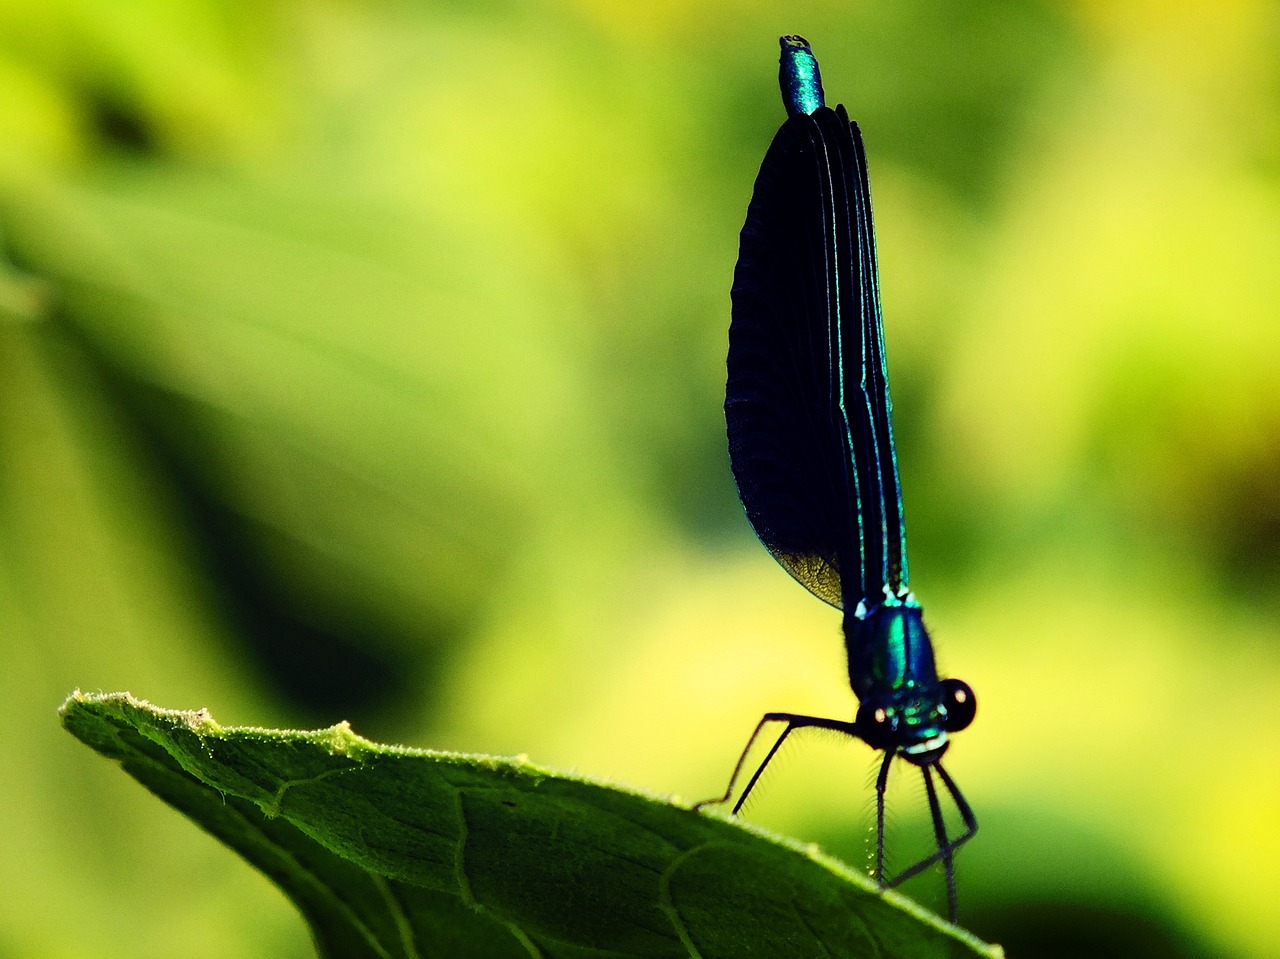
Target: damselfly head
915,722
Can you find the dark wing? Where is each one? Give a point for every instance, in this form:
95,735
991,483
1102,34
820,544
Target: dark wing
807,402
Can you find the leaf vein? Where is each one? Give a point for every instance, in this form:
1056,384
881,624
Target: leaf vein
668,906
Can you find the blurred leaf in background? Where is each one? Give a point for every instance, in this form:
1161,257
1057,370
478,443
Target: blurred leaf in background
364,361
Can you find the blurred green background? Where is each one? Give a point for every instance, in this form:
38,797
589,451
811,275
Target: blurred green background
364,360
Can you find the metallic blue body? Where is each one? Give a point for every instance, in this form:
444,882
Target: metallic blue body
799,77
891,668
810,430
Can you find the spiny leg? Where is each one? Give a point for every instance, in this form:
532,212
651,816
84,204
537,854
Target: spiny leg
946,847
962,805
940,838
943,845
882,783
755,777
794,721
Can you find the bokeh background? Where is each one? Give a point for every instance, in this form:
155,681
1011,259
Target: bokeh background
364,360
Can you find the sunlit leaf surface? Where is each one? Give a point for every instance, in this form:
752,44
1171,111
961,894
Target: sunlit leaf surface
391,851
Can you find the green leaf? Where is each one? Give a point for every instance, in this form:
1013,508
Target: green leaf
397,852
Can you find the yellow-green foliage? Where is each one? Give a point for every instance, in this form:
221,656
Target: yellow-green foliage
364,361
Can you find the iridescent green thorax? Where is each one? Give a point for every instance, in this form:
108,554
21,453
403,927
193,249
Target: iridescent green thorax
799,77
889,649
